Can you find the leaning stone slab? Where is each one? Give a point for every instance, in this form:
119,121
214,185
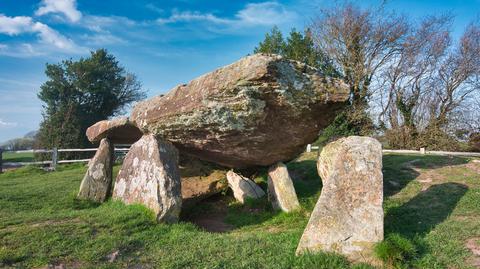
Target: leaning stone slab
280,189
97,182
243,187
348,217
118,130
150,176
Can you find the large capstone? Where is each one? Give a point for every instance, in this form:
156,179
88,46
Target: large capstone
118,130
348,217
243,188
97,182
254,112
150,176
281,191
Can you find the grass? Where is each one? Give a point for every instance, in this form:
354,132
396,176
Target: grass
18,157
426,223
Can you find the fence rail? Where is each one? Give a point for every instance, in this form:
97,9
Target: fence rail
54,159
421,151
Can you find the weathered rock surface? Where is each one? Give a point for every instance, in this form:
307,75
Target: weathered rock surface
243,187
195,189
257,111
97,182
348,217
150,176
281,191
118,130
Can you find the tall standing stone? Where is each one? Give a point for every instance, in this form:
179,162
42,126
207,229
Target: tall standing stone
97,182
150,176
243,187
348,217
281,191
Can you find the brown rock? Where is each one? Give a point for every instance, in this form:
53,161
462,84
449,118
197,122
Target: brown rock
195,189
243,187
150,176
97,182
119,130
281,191
257,111
348,217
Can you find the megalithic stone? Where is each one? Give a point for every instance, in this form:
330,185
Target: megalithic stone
281,191
348,217
243,187
150,176
97,182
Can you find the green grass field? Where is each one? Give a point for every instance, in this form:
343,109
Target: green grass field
17,157
432,208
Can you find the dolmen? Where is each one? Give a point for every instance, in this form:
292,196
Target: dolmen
258,111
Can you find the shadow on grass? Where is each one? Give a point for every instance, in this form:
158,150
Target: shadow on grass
399,170
422,213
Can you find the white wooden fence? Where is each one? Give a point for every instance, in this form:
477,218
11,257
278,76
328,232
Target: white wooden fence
54,157
422,151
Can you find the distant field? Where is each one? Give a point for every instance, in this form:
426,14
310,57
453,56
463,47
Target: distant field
17,157
432,203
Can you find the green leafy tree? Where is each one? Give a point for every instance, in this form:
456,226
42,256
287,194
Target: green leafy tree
273,43
79,93
297,46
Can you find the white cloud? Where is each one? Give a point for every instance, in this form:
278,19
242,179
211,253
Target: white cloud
47,36
66,7
100,23
266,13
14,25
7,124
187,16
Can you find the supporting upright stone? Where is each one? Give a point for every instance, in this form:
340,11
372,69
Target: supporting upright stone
243,187
348,217
150,176
97,182
280,189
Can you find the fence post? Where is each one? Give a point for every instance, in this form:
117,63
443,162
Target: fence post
54,158
1,160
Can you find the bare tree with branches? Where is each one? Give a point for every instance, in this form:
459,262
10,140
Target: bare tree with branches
360,42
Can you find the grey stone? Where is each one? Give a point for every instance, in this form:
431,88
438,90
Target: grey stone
150,176
97,182
281,191
348,217
243,187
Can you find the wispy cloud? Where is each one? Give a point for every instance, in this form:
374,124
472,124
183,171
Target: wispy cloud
68,8
154,8
7,124
21,24
254,14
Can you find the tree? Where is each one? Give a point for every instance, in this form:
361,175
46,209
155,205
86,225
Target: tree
429,82
359,42
297,46
273,43
79,93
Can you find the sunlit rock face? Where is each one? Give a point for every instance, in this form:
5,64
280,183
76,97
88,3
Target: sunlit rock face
97,182
255,112
348,217
150,176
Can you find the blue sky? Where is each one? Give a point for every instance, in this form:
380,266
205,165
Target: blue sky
164,43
